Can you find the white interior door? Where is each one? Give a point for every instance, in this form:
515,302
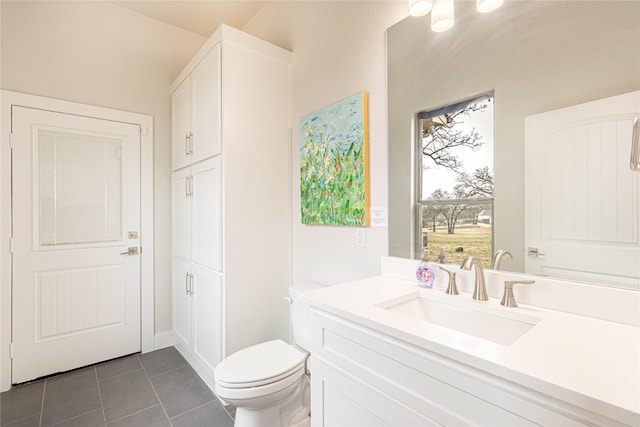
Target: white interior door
581,197
76,222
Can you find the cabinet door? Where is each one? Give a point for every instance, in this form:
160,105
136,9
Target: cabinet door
181,284
207,318
181,125
340,399
205,106
181,185
206,220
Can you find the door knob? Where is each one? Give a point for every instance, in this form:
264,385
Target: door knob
534,252
133,250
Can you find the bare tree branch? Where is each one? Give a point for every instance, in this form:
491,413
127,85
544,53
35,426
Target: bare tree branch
477,184
441,137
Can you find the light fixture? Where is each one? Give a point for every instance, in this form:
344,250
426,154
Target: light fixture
442,15
484,6
420,7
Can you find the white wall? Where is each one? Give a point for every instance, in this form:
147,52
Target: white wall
339,49
101,54
98,53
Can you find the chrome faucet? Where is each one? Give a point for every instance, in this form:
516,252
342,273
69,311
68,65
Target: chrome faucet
497,259
479,289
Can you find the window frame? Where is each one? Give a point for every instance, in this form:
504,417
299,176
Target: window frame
419,201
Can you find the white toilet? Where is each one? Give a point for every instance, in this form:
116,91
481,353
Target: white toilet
268,383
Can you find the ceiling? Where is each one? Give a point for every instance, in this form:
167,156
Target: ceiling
200,17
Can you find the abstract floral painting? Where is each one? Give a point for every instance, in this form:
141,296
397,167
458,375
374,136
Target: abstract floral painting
334,166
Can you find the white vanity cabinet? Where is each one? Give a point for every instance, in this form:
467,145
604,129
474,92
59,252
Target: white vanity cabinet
195,112
364,377
230,198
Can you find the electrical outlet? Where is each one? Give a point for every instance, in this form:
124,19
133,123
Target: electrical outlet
360,237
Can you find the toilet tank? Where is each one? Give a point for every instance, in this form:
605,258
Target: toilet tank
301,316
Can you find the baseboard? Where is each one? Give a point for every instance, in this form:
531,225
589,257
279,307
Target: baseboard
162,340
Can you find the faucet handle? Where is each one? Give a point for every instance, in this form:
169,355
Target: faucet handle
452,289
508,299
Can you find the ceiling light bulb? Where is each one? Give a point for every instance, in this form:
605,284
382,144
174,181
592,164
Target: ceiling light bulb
442,15
420,7
484,6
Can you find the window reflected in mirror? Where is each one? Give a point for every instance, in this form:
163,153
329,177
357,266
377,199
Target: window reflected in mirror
454,179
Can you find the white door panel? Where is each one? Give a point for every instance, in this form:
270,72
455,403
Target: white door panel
206,213
181,281
581,197
181,125
205,106
76,197
207,317
181,192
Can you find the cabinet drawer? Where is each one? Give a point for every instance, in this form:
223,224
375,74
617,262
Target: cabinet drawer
341,399
439,388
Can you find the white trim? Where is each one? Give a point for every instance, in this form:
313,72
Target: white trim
163,339
147,321
230,34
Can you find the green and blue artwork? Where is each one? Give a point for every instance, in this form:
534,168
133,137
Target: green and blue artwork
334,166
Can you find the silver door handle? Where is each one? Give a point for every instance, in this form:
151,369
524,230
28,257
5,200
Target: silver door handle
191,284
188,186
186,144
186,283
133,250
190,143
634,162
534,252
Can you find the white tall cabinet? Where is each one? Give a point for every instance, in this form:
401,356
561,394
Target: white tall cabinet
230,198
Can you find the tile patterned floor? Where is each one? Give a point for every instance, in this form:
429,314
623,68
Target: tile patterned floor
145,390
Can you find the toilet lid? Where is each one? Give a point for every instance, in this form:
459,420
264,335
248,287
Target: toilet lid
260,364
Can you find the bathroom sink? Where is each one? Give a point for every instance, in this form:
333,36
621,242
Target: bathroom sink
483,322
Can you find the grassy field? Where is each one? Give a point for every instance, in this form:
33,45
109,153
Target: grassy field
474,239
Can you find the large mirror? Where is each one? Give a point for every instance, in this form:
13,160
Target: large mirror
534,56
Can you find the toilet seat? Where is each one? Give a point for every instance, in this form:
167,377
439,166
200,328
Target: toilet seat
261,365
273,391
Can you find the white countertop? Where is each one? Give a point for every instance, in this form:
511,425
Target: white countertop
587,362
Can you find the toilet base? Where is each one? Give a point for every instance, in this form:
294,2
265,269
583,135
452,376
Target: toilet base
290,412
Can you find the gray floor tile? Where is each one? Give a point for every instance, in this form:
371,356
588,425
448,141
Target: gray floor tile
118,392
32,421
181,390
162,360
118,366
154,416
211,414
90,419
126,394
69,397
21,402
231,410
70,374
